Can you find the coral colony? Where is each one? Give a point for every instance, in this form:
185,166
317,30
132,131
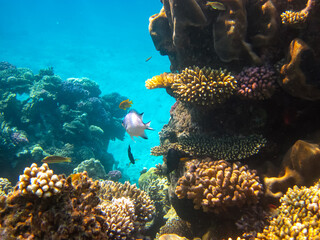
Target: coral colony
241,151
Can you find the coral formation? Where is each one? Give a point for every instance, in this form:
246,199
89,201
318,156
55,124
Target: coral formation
43,115
297,217
143,205
216,186
114,175
228,148
40,181
5,186
203,86
257,82
73,212
93,167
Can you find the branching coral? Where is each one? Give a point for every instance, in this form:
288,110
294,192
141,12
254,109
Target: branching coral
228,148
298,215
203,86
216,186
295,19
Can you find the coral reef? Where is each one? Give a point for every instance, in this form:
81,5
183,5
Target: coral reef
257,82
297,217
73,212
93,167
43,115
216,186
5,186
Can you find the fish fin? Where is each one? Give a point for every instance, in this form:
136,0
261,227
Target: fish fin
144,136
148,126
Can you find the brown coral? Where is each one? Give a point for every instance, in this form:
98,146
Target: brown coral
143,205
5,186
216,186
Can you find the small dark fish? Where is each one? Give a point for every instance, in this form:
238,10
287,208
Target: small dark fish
132,160
173,159
148,58
55,159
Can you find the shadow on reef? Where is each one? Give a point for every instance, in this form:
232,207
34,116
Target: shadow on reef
43,115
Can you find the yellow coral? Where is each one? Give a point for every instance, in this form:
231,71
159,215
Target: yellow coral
40,181
291,17
204,86
298,215
216,186
160,81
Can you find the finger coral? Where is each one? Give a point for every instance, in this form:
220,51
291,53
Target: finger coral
228,148
216,186
193,85
298,215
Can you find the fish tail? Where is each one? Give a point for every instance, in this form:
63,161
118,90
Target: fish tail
148,126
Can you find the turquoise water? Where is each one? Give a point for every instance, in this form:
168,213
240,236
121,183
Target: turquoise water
105,41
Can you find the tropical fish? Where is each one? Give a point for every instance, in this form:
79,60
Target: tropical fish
148,58
125,104
216,6
134,126
173,159
132,160
55,159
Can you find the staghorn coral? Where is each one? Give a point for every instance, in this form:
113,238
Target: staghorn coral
228,148
205,86
297,217
216,186
5,186
257,82
144,208
93,167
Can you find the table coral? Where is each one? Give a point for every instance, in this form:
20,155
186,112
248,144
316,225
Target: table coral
193,85
298,215
216,186
228,148
257,82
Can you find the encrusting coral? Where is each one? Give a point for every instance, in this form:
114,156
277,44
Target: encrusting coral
73,210
216,186
297,217
197,86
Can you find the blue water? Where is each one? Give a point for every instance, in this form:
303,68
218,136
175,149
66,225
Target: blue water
106,41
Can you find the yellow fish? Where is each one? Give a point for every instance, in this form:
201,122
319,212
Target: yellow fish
148,59
216,6
125,104
55,159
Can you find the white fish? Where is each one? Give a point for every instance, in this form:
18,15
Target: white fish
134,126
